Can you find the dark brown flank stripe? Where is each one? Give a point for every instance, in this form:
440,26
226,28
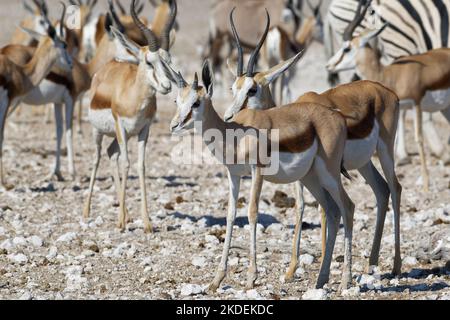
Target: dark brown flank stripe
100,103
61,80
298,144
362,129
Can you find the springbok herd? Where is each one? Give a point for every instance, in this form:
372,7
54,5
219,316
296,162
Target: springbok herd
119,63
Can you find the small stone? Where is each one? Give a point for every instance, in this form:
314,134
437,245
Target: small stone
315,294
191,290
253,294
211,239
26,296
19,258
275,229
352,292
233,261
199,262
52,253
19,241
68,237
2,231
410,261
36,241
306,260
281,200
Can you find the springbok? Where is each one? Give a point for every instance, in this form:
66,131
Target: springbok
311,146
17,82
420,80
38,22
371,114
123,105
281,46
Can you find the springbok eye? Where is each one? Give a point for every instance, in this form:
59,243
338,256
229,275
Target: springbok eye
196,104
347,50
252,92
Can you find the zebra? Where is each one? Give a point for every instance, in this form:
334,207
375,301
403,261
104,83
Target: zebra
414,27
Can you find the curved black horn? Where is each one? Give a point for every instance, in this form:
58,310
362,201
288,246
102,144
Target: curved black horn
360,13
152,40
255,53
240,66
63,19
115,19
165,36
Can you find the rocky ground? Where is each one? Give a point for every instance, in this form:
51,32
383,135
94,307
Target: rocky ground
48,252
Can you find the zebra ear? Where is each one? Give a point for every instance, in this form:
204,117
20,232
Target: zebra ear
372,34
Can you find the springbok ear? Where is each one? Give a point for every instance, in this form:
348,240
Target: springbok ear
232,67
131,50
207,76
371,35
34,34
269,76
173,37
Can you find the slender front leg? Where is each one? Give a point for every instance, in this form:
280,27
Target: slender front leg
143,138
257,182
234,185
300,211
113,154
123,144
98,138
323,230
419,141
4,106
59,133
400,147
80,114
69,101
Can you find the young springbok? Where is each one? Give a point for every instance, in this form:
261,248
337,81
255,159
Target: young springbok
420,80
371,114
311,146
123,105
17,82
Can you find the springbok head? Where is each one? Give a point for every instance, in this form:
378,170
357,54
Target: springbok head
311,27
250,88
346,57
53,45
86,9
154,54
36,21
191,99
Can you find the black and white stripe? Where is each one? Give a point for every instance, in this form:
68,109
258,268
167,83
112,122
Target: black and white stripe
415,26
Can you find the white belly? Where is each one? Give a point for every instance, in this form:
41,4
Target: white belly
103,121
359,152
46,92
291,166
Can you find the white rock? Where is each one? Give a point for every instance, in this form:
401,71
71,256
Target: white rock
7,244
68,237
36,241
52,253
19,241
233,261
211,239
352,292
19,258
199,262
253,294
410,261
306,259
147,262
2,231
26,296
191,290
275,228
99,221
315,294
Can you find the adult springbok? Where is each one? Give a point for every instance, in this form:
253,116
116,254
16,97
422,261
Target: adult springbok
422,80
17,82
123,105
311,141
371,114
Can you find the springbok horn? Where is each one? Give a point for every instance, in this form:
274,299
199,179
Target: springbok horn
360,13
255,53
152,40
165,36
240,66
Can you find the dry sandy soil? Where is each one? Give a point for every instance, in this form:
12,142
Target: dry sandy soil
48,252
